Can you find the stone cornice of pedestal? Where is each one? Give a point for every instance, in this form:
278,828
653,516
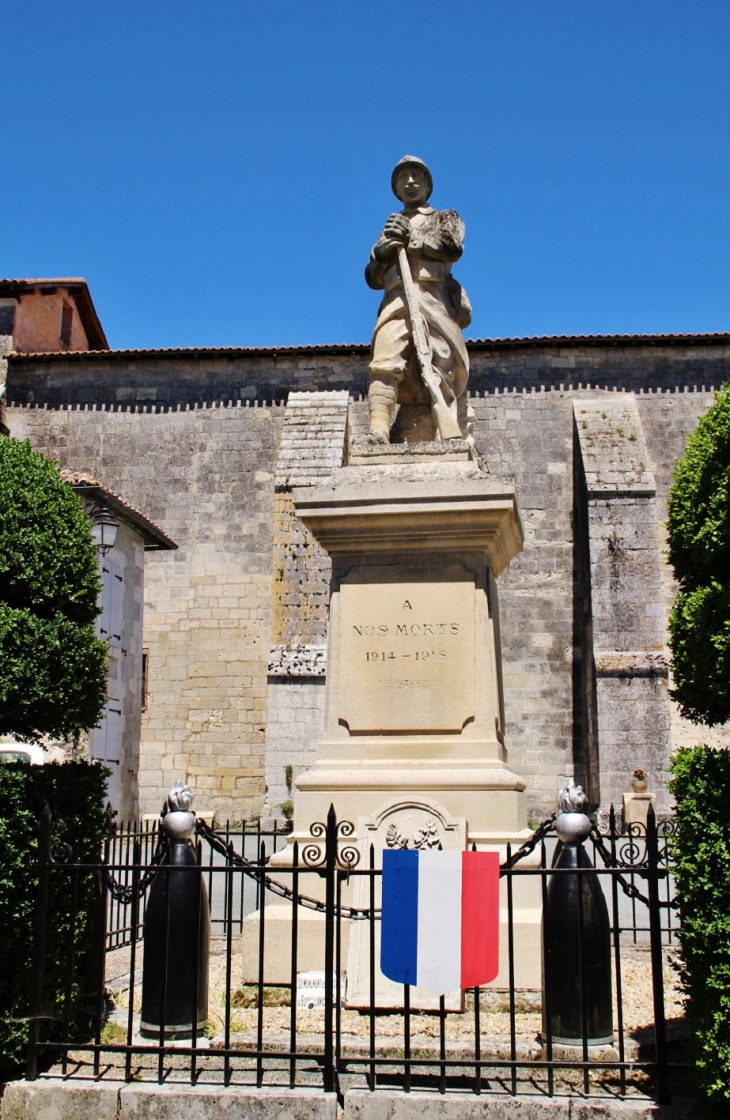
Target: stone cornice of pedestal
454,777
366,510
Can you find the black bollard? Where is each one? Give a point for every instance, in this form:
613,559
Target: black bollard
176,932
576,938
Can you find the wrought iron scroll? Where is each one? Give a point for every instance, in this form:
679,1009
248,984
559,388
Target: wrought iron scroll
347,855
60,851
280,889
632,853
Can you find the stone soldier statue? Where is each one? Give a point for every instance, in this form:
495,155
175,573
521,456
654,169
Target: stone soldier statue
418,356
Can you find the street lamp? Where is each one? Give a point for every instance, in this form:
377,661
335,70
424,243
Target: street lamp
104,527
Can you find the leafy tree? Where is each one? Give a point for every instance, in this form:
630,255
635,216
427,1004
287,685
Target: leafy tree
53,668
699,550
76,793
701,849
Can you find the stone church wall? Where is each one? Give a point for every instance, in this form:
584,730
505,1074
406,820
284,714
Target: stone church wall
193,440
207,478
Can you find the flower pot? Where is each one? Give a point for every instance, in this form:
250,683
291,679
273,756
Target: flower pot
638,785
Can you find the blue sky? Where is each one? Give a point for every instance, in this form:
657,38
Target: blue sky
218,170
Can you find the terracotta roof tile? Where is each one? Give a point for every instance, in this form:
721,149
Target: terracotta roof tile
40,281
715,337
87,312
84,482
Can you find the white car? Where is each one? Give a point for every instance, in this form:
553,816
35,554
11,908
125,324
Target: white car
29,753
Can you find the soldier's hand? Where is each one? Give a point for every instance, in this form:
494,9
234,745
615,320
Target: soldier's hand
397,228
396,232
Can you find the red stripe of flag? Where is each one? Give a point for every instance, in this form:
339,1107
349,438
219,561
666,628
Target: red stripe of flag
479,918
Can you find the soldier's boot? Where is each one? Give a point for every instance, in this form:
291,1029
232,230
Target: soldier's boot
465,416
382,400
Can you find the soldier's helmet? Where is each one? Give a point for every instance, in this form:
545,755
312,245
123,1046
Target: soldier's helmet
411,161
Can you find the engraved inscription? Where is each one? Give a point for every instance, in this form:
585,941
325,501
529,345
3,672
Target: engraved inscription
406,684
406,652
406,630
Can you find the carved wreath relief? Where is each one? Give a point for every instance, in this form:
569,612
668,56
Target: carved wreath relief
423,838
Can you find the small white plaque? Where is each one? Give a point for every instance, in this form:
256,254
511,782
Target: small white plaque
310,990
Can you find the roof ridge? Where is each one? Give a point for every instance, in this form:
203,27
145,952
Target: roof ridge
363,346
83,479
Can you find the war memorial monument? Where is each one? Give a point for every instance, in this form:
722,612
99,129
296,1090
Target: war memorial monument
413,751
412,590
328,629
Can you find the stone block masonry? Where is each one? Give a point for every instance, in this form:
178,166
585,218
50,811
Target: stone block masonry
294,727
627,627
223,609
89,1100
99,1100
207,478
124,669
190,379
313,444
313,438
527,436
666,420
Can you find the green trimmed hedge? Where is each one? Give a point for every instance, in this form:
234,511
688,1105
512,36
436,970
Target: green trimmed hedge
699,551
701,787
76,793
53,668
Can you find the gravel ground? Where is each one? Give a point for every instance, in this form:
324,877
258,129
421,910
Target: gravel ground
494,1023
638,1006
459,1038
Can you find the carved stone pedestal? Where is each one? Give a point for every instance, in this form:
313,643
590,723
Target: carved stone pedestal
414,711
414,697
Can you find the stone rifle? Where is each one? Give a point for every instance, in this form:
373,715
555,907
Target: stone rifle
447,424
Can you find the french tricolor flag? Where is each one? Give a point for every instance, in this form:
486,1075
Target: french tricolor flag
440,919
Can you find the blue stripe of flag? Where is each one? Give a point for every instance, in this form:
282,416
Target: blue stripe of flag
399,934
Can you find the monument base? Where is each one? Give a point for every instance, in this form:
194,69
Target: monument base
413,753
356,953
420,823
278,929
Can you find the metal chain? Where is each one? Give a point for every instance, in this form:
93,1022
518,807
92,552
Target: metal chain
125,894
279,889
528,846
629,888
350,912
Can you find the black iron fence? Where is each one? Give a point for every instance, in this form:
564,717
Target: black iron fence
312,917
245,837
